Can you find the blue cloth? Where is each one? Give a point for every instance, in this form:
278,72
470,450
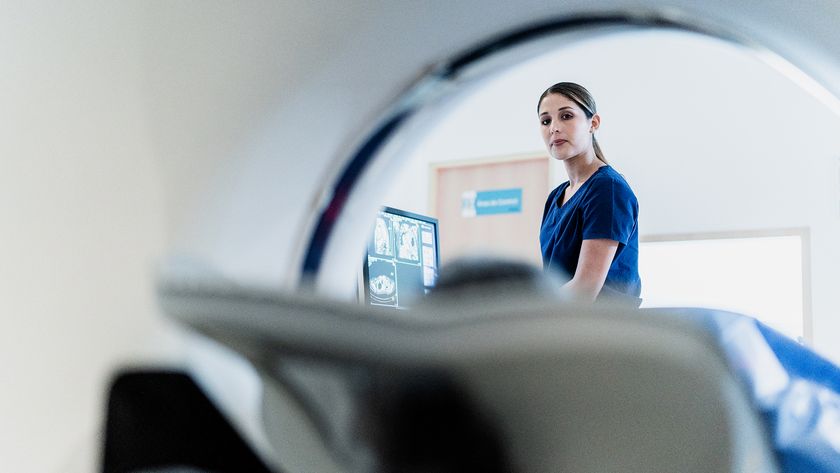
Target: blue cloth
796,390
603,207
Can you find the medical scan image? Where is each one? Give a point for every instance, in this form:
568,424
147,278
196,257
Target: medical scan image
407,248
382,238
382,282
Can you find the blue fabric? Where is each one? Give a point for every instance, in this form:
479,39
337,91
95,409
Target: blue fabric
796,390
603,207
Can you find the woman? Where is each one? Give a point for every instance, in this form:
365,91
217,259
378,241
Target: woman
590,224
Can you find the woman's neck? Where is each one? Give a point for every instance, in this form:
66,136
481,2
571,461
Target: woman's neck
582,167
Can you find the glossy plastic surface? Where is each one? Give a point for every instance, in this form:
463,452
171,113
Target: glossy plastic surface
796,390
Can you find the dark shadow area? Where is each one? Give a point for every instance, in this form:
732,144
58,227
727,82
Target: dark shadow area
159,419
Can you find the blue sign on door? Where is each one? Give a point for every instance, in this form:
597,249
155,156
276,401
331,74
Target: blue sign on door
491,202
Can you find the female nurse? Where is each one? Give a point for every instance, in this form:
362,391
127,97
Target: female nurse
590,226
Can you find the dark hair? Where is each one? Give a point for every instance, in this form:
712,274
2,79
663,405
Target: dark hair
579,95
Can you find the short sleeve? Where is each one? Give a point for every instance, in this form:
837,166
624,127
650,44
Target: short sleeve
610,211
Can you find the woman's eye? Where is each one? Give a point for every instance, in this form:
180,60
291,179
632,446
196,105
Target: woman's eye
545,121
567,116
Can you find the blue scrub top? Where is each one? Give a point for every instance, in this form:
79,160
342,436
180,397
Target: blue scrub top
604,207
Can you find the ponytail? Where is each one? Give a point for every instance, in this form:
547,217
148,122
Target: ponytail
598,153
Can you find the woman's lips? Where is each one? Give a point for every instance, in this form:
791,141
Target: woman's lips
558,142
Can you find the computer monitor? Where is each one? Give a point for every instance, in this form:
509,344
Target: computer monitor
402,259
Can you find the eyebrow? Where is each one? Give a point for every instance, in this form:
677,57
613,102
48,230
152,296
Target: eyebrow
559,109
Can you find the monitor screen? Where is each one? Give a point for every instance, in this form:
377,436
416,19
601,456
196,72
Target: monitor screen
402,259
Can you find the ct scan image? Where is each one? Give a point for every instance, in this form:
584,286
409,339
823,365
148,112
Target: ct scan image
382,281
382,241
407,244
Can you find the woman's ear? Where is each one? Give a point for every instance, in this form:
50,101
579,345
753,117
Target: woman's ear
596,122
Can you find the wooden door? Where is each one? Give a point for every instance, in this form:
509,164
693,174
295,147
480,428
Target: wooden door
479,228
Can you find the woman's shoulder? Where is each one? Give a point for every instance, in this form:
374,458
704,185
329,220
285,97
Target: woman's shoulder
609,174
608,178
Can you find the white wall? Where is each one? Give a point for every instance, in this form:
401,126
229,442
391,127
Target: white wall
710,138
82,222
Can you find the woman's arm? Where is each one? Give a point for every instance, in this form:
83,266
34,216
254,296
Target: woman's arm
593,265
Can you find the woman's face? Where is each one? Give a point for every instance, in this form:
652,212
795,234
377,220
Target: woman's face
566,131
